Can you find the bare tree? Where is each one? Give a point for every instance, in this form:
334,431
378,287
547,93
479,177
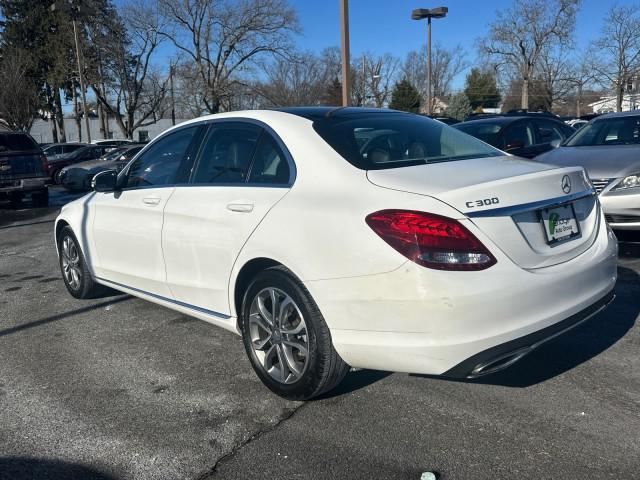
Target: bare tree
522,33
446,64
299,81
374,78
19,101
224,38
137,89
617,51
557,75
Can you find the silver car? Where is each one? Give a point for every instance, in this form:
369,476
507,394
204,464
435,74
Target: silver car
608,148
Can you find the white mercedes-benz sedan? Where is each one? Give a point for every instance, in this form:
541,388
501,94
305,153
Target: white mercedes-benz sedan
337,237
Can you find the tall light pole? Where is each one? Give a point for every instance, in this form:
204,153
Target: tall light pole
429,13
344,34
74,11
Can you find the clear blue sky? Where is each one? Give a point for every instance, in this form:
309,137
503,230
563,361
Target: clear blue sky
381,26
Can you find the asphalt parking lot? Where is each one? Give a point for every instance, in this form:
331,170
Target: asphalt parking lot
118,388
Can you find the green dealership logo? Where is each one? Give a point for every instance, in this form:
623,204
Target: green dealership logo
553,221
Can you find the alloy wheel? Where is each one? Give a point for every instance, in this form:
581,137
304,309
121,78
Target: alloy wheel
71,268
279,336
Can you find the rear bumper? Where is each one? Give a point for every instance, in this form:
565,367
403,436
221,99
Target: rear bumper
502,356
24,185
424,321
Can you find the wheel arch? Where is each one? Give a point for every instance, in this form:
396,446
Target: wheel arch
244,277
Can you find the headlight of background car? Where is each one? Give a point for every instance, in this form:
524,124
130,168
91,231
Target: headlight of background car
630,181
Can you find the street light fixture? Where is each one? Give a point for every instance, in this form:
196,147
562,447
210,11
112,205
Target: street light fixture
429,13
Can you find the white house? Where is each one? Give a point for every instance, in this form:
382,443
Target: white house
630,101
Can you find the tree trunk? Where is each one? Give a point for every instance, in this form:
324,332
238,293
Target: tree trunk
54,130
59,116
76,113
619,96
525,93
578,106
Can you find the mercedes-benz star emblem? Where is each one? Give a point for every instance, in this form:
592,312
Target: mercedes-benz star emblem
566,184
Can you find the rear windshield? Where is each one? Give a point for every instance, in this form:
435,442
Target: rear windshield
485,131
389,140
17,142
607,131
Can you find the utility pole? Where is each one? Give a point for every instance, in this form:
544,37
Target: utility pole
173,99
364,79
344,33
74,11
81,77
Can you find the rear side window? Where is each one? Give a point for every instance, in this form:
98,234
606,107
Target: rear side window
226,154
392,140
487,132
550,131
269,163
17,142
519,135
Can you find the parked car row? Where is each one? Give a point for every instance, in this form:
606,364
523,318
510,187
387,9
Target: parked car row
78,176
607,147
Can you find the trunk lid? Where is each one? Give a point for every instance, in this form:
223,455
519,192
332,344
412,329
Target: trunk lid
505,197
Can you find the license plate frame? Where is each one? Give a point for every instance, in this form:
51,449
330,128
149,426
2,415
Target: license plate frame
553,238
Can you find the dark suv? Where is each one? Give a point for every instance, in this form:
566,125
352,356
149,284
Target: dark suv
23,169
524,136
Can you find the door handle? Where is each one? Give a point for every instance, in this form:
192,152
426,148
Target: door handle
240,207
151,200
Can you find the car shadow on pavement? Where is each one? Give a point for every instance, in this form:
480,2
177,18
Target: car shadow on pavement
62,316
27,468
576,346
355,380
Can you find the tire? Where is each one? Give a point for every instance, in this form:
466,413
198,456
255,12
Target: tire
270,346
74,267
57,177
41,198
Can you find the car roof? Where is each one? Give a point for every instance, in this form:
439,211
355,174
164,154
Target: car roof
493,120
629,113
315,113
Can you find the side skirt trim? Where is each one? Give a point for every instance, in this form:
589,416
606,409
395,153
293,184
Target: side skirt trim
165,299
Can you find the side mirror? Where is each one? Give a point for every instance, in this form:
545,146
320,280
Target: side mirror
555,143
106,181
513,144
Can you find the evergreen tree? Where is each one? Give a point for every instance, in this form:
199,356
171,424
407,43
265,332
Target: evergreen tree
481,89
459,106
405,97
333,94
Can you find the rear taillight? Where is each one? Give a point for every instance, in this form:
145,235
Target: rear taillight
45,163
431,240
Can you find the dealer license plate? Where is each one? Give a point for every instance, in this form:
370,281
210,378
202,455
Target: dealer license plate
559,223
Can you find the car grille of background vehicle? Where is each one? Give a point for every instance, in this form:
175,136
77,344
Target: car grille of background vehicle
600,183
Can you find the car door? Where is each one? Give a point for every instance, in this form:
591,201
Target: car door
241,172
518,139
127,224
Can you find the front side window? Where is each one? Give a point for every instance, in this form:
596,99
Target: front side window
392,140
159,165
609,131
226,154
269,163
